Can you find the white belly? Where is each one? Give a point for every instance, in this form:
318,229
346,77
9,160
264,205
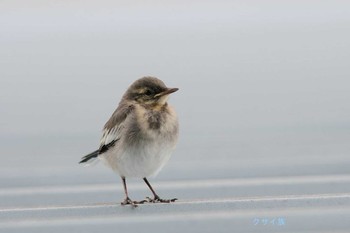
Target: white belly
145,160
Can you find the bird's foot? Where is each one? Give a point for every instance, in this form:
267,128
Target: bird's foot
157,199
128,201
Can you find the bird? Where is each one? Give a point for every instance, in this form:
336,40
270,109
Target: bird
140,136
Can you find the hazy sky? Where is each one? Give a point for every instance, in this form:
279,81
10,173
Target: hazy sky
238,64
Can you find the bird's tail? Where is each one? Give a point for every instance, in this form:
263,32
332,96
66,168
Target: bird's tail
90,157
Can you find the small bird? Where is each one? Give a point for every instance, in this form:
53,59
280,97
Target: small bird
139,137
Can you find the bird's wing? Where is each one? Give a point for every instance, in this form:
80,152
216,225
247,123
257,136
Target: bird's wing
112,130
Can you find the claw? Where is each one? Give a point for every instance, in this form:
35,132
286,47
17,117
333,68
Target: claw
134,204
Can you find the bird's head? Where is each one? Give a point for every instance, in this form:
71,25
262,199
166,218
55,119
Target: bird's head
149,91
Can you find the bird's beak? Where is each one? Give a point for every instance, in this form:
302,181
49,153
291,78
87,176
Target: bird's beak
167,92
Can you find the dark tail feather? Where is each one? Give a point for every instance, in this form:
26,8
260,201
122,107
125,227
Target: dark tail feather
90,156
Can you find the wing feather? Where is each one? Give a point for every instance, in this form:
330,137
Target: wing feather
113,129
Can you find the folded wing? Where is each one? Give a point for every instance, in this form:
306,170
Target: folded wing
112,132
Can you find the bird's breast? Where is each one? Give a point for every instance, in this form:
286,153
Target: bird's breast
155,123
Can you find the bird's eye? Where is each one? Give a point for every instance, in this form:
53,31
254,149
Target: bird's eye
148,92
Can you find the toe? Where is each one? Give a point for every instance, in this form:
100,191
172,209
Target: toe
157,199
128,201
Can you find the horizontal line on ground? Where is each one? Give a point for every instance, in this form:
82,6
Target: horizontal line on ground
188,184
329,214
315,197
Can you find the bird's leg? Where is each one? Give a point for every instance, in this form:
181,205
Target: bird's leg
127,200
156,198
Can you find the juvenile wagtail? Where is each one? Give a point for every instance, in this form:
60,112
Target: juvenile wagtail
140,136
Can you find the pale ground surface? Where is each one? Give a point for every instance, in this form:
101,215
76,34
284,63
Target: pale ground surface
263,106
306,194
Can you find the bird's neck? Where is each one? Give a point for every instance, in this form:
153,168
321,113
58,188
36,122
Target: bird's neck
156,106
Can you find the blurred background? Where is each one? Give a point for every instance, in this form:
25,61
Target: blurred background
264,86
